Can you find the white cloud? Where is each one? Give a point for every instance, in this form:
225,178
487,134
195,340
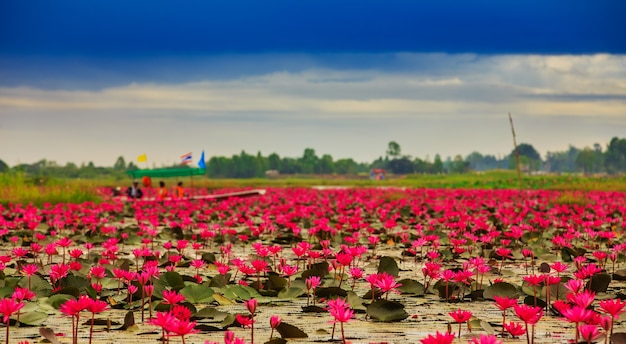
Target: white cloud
410,90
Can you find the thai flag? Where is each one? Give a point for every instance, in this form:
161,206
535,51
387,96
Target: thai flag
185,158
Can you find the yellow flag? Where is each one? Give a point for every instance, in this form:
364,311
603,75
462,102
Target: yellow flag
142,158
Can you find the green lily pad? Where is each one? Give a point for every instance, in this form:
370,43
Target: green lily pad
219,280
411,287
502,289
210,313
170,279
388,265
318,269
387,311
57,300
356,302
276,282
330,292
222,300
33,318
228,321
197,293
38,285
6,292
241,292
290,293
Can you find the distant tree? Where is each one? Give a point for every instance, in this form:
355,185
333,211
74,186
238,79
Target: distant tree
3,166
346,166
421,166
378,163
401,166
437,165
458,165
120,163
564,161
475,161
273,161
529,157
393,150
308,161
615,156
325,165
290,166
131,166
589,160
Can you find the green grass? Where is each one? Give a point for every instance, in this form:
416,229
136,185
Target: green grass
16,188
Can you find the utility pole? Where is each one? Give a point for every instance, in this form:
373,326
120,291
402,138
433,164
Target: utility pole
519,172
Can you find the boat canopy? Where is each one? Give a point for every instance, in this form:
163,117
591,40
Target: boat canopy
167,172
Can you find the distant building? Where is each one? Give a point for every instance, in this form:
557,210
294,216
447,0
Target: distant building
272,173
377,174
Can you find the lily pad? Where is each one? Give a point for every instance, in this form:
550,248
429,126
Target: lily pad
241,292
599,283
290,293
171,279
313,309
318,269
222,300
387,311
620,275
219,280
57,300
33,318
618,338
276,341
197,293
330,292
129,321
49,334
356,302
502,289
210,313
388,265
289,331
411,287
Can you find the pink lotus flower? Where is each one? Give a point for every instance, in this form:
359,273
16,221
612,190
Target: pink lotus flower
340,310
438,338
7,308
529,315
515,329
275,320
589,332
171,297
485,339
460,316
582,299
386,283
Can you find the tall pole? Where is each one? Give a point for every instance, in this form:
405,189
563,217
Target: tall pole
519,172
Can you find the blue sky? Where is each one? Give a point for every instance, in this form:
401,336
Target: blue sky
90,81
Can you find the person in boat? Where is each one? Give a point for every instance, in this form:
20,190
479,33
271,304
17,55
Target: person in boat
134,191
180,191
162,191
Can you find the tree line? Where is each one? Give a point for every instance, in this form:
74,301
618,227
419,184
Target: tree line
588,160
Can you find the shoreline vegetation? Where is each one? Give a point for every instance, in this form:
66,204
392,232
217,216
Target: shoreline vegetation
20,188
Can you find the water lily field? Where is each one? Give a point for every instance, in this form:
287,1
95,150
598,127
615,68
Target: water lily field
319,265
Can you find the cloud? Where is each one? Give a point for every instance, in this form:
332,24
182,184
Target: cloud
572,84
443,100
